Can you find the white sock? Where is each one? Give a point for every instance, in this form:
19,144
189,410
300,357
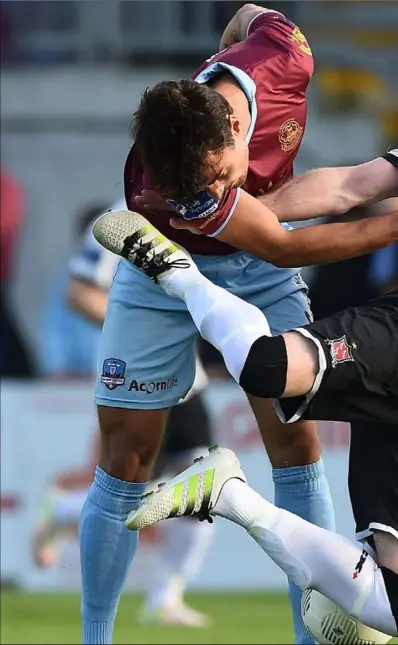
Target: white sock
311,557
227,322
68,507
187,542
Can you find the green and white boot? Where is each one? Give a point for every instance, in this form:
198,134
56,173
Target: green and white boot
133,238
194,492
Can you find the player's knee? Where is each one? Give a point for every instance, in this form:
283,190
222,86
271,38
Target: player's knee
292,444
298,444
390,579
386,546
130,441
265,370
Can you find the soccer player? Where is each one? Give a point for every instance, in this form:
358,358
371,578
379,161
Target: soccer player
342,368
197,135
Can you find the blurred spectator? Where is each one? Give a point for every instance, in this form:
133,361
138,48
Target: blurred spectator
15,361
38,32
68,342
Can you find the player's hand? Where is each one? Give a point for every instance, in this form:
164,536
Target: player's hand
183,225
150,200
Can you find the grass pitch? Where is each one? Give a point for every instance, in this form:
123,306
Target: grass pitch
249,618
252,618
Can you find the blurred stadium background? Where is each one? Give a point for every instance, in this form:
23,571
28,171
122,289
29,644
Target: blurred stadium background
72,73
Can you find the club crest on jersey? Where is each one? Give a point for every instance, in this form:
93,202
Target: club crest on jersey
113,373
202,206
299,39
290,134
340,350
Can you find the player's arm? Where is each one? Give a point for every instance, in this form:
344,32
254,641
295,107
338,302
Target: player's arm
320,193
91,271
334,191
254,228
87,299
237,28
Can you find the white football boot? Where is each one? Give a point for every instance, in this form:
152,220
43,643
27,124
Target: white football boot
175,615
194,492
133,238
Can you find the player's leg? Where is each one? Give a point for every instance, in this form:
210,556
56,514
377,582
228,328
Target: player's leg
373,486
358,357
186,542
374,499
145,369
312,557
61,511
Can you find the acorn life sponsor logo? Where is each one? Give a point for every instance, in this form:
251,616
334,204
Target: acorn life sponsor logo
153,386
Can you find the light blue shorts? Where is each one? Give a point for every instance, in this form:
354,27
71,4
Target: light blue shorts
147,347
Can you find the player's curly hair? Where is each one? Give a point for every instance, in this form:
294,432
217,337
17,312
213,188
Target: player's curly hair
176,126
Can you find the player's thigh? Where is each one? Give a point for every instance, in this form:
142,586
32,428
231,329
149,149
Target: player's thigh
373,478
146,363
361,347
287,444
386,546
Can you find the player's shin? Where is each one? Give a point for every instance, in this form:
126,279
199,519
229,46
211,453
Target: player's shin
106,551
311,556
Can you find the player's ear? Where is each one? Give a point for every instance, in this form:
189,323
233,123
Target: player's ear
234,124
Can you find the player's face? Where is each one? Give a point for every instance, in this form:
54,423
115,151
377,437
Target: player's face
228,169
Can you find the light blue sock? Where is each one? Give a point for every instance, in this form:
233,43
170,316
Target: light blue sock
304,490
107,548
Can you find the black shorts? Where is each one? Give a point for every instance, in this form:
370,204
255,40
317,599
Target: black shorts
188,429
373,478
373,486
358,366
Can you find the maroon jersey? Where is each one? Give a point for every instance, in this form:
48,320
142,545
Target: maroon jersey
273,66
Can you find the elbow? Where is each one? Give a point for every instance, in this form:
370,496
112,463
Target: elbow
344,202
358,189
278,252
280,257
284,262
286,255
